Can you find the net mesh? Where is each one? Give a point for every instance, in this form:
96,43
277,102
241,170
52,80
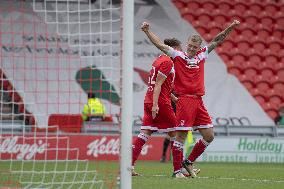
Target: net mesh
53,53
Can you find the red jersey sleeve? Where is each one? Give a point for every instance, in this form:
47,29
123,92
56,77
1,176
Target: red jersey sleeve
166,68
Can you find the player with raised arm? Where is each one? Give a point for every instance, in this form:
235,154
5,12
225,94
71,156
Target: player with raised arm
189,87
158,113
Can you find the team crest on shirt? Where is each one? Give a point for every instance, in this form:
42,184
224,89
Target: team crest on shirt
192,62
182,122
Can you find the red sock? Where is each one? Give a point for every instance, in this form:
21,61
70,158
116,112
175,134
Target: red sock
137,146
177,152
197,150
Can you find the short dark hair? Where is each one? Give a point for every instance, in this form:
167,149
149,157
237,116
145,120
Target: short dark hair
172,42
91,95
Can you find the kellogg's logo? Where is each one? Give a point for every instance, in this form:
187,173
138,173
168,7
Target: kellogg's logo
104,146
11,145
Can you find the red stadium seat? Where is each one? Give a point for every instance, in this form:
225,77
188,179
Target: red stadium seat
280,74
209,6
231,64
252,52
270,9
255,59
250,72
267,21
240,8
227,45
275,79
215,30
185,10
279,14
15,97
278,34
248,84
239,58
263,87
255,92
5,84
179,4
248,64
260,99
224,7
272,113
244,78
275,46
66,122
256,39
220,19
281,8
271,92
278,87
248,33
268,52
255,8
275,100
280,21
243,46
260,78
201,30
271,59
267,106
204,19
189,17
225,57
208,37
21,107
263,33
251,20
258,46
235,71
265,65
267,73
193,5
281,53
278,66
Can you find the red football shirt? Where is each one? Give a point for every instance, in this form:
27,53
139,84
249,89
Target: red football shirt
189,72
163,65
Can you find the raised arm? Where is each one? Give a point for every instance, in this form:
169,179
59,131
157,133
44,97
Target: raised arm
221,36
145,27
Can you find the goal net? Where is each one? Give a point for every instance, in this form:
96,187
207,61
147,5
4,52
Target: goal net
53,54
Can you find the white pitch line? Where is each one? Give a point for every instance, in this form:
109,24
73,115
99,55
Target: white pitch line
231,178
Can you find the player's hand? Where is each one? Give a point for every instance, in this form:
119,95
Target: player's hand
174,98
145,26
155,111
236,22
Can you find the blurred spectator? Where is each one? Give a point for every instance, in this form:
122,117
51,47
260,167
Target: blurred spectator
93,110
279,120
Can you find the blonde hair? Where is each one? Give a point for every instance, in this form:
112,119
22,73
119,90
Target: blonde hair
195,38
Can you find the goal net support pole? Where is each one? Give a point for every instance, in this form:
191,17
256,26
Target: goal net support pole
127,94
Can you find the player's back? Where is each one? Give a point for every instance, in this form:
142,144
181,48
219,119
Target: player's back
163,65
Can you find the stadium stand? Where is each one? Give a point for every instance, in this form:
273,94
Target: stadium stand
12,107
255,52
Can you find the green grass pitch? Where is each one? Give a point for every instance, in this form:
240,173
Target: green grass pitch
212,176
155,175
